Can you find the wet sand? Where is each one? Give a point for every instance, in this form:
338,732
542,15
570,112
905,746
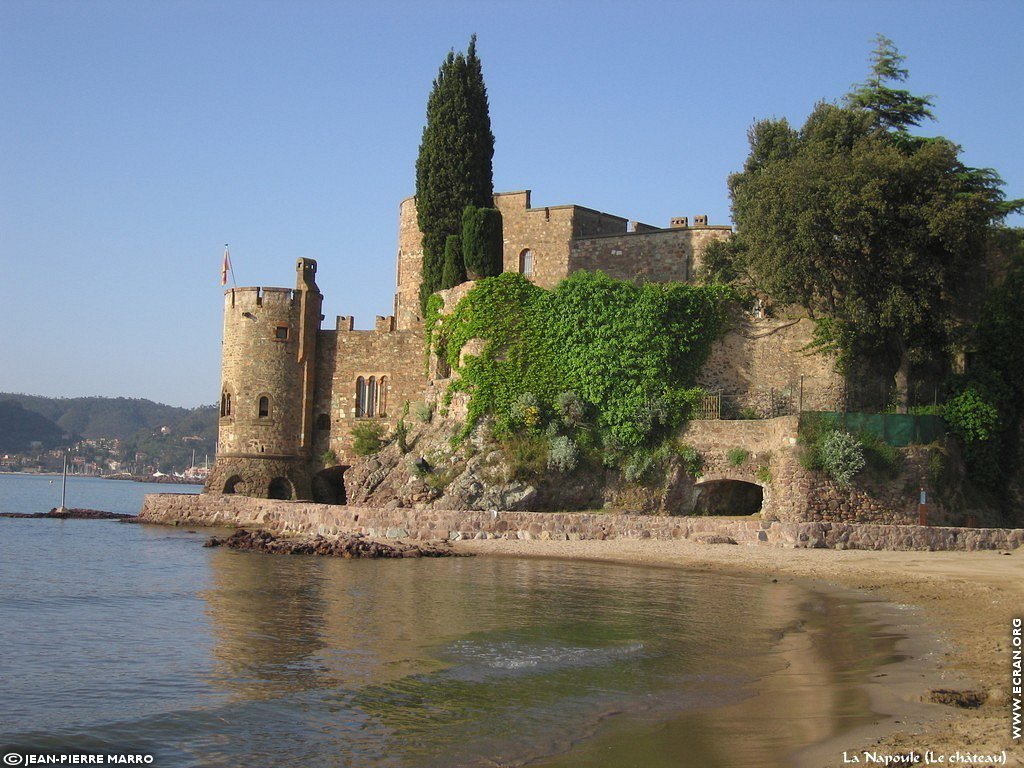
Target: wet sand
953,609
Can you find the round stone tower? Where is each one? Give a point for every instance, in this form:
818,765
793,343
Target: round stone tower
268,363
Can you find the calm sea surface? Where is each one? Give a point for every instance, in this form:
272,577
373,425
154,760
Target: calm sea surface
129,638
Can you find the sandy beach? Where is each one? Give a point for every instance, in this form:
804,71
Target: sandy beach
958,636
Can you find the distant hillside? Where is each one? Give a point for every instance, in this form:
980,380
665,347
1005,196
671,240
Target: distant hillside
19,428
112,417
153,433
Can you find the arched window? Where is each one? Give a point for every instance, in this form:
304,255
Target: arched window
264,407
371,396
323,421
225,403
526,263
382,396
360,397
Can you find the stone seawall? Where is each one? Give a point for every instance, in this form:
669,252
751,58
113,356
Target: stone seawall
295,517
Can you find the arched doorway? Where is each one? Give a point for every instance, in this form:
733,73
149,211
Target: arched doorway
280,488
727,497
329,486
232,483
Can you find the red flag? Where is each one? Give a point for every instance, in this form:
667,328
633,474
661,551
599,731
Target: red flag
224,268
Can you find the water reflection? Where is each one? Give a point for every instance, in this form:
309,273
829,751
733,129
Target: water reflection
449,662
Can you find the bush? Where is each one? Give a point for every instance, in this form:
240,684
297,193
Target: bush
737,456
972,417
481,242
527,455
763,475
329,458
526,412
563,454
454,271
690,459
572,411
842,456
424,412
367,438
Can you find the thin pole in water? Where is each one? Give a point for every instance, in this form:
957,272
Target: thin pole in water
64,481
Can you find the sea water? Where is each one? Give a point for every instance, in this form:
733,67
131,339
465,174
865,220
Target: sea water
124,638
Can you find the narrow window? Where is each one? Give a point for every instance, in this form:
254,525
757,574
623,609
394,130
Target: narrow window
225,404
281,333
526,263
371,397
382,396
264,407
323,421
360,397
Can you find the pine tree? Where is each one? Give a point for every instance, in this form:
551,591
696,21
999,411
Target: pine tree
892,108
453,168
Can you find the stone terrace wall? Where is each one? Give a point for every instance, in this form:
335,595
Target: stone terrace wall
761,355
292,517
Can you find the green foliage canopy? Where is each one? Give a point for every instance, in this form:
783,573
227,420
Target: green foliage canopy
859,222
630,353
453,168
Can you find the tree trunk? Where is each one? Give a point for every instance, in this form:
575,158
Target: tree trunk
902,395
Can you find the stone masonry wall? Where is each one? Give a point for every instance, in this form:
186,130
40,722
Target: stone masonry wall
646,256
762,360
306,518
396,355
410,266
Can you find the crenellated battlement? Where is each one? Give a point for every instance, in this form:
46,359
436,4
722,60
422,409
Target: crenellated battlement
253,297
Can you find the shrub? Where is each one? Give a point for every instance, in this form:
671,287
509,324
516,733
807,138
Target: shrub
367,438
972,417
454,271
763,475
526,412
527,455
572,411
329,458
737,456
424,412
690,459
748,413
842,456
481,242
563,454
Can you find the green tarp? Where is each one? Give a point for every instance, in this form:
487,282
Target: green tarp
897,429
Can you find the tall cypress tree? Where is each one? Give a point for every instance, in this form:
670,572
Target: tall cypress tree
453,168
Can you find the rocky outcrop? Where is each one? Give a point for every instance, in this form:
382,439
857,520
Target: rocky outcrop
352,546
63,513
478,475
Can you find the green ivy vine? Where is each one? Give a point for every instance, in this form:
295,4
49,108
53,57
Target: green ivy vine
630,352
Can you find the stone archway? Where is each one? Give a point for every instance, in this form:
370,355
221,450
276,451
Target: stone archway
232,483
329,486
281,488
727,497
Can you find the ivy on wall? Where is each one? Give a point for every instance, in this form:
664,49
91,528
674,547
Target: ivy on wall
630,352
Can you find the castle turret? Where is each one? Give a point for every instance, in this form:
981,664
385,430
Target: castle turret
268,364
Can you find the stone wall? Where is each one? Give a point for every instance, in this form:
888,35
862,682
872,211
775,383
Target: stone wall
764,363
397,356
657,256
410,267
306,518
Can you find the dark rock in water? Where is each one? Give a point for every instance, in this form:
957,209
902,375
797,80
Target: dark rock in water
63,513
350,547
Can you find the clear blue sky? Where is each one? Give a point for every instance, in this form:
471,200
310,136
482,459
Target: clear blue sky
140,137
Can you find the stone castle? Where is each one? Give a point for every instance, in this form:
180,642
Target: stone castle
292,390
